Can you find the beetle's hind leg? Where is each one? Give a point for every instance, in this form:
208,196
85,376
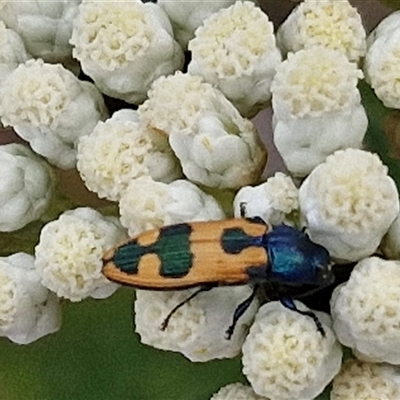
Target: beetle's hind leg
240,310
289,303
182,303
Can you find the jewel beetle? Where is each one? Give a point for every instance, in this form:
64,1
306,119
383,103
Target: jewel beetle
225,252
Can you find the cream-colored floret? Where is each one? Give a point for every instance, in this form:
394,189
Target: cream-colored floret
112,33
26,187
366,381
236,391
28,310
329,23
232,40
51,109
147,204
124,46
44,26
176,104
68,256
197,329
216,146
380,67
286,358
122,149
235,50
313,82
366,310
349,203
38,93
317,108
272,200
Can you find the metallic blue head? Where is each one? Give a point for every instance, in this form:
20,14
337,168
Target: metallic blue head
295,259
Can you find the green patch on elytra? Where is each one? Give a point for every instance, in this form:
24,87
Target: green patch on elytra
172,248
234,240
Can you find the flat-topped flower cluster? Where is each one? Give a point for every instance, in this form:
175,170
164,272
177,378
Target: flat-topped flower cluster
182,148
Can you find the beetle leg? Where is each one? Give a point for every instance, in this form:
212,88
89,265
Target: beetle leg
178,306
240,310
289,303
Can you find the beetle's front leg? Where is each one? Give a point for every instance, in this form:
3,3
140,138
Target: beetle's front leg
182,303
239,311
289,303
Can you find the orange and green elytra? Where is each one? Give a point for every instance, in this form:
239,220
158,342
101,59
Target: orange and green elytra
188,254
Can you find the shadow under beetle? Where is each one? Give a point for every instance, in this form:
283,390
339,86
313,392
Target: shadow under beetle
227,252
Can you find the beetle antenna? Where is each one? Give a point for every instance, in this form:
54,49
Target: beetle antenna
182,303
289,303
240,310
242,207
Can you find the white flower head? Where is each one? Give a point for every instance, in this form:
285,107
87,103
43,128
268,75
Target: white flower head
365,310
380,67
313,82
365,381
348,203
124,46
147,204
70,250
45,26
285,357
317,108
187,16
28,310
197,329
216,146
50,108
122,149
273,200
236,391
329,23
26,186
235,50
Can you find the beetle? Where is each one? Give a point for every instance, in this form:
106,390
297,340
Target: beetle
224,252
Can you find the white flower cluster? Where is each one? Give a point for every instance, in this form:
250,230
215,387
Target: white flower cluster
365,310
329,23
235,50
26,187
286,358
274,201
28,310
190,137
50,108
348,203
124,46
122,149
70,250
197,329
216,146
382,58
317,108
147,204
365,381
